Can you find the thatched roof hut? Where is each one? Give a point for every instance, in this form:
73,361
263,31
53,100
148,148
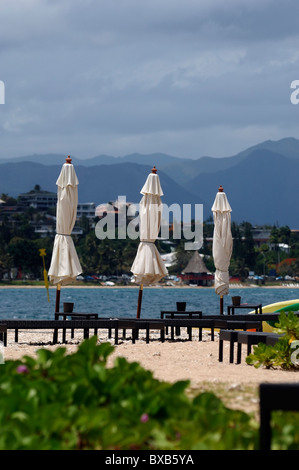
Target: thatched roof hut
196,271
196,265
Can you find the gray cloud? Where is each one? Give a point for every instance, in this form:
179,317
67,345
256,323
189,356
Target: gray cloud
187,78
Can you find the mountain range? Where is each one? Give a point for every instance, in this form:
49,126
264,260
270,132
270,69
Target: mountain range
260,182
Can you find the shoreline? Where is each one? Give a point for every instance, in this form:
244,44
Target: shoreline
71,286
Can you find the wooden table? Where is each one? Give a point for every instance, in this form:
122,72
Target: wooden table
74,316
183,314
180,314
257,308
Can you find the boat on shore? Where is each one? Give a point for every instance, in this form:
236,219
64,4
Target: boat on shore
276,307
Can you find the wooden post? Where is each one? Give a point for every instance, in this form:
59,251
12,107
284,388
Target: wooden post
57,298
221,305
139,301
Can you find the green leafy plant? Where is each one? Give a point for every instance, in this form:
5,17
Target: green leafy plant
60,401
283,353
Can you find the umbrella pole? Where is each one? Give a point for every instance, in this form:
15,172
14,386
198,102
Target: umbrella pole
221,305
57,297
139,300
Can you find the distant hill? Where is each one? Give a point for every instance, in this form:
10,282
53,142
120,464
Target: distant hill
58,159
98,184
180,169
261,181
261,188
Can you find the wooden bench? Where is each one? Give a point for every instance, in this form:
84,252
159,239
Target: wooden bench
271,340
189,323
136,324
74,316
229,334
250,338
238,325
232,337
57,325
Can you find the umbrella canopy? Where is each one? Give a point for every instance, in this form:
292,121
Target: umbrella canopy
222,242
65,265
148,267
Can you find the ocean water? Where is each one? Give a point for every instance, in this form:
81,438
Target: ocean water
32,303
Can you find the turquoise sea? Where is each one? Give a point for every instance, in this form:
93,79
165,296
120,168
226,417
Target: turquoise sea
32,303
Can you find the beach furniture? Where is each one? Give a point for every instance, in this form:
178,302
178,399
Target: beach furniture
191,323
222,244
148,266
229,334
250,338
271,340
65,265
180,314
238,324
282,396
136,325
232,337
63,325
73,316
256,307
3,334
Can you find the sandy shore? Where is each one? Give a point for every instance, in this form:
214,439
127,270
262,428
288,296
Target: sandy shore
171,361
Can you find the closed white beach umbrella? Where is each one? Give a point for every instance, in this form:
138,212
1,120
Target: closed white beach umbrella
148,267
222,244
65,265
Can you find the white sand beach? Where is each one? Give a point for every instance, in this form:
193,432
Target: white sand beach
170,361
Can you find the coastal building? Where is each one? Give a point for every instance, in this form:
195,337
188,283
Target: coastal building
38,199
196,272
86,209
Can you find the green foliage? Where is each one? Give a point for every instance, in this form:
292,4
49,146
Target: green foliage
283,353
63,402
285,430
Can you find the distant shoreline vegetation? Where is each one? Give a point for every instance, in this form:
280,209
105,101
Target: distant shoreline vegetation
261,255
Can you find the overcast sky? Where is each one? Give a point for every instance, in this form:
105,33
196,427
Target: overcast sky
183,77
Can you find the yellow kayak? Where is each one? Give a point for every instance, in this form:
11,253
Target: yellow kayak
286,306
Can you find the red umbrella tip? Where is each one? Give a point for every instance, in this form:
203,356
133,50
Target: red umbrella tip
154,170
220,189
68,159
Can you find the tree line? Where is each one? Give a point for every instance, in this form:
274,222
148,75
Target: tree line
20,245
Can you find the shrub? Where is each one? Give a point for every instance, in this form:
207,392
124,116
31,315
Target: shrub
58,401
283,353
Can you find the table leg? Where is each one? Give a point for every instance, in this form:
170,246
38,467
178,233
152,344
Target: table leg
200,334
239,352
220,353
231,351
116,335
55,336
